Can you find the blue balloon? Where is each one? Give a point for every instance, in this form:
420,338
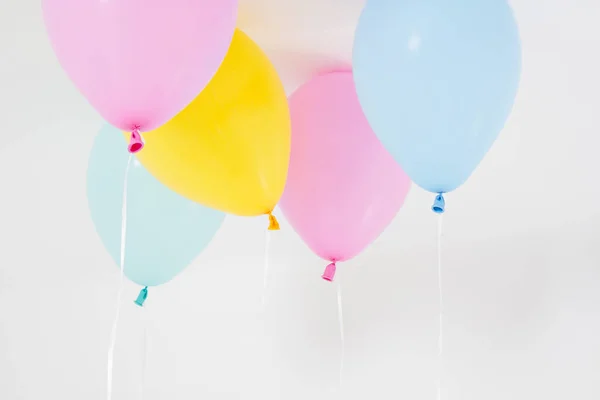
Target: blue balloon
437,80
165,231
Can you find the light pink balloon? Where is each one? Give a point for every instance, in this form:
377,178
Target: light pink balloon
343,188
140,62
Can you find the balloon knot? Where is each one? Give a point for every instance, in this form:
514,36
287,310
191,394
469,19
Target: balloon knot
329,272
273,223
142,297
135,143
439,204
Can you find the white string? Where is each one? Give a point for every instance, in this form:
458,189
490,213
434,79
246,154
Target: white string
341,324
441,307
113,334
144,352
266,269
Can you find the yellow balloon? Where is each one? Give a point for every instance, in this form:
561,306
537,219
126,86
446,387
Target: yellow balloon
230,148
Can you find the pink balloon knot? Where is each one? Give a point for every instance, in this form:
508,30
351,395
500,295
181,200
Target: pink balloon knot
329,273
135,143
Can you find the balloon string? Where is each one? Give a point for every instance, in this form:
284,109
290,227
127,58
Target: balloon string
266,269
341,325
113,334
441,307
144,352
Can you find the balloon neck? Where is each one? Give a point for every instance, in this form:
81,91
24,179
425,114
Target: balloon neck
439,204
329,272
273,223
142,297
135,143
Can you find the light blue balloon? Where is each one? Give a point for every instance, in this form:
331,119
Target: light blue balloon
165,231
437,80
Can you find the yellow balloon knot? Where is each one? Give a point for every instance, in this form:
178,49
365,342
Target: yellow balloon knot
273,224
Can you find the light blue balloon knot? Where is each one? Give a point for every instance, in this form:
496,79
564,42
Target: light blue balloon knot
142,297
439,204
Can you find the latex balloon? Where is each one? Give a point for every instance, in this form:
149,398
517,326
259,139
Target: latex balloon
229,149
343,187
437,80
165,231
140,62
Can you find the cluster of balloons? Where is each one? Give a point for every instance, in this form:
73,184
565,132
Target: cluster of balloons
203,109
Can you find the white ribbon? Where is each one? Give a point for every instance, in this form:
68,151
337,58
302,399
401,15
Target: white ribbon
341,325
144,351
266,269
441,309
113,334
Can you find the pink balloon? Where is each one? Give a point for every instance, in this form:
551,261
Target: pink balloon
140,62
343,187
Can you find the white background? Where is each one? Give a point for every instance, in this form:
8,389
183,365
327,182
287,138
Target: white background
521,253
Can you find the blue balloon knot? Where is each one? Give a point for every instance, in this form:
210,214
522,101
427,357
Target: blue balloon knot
142,297
439,204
